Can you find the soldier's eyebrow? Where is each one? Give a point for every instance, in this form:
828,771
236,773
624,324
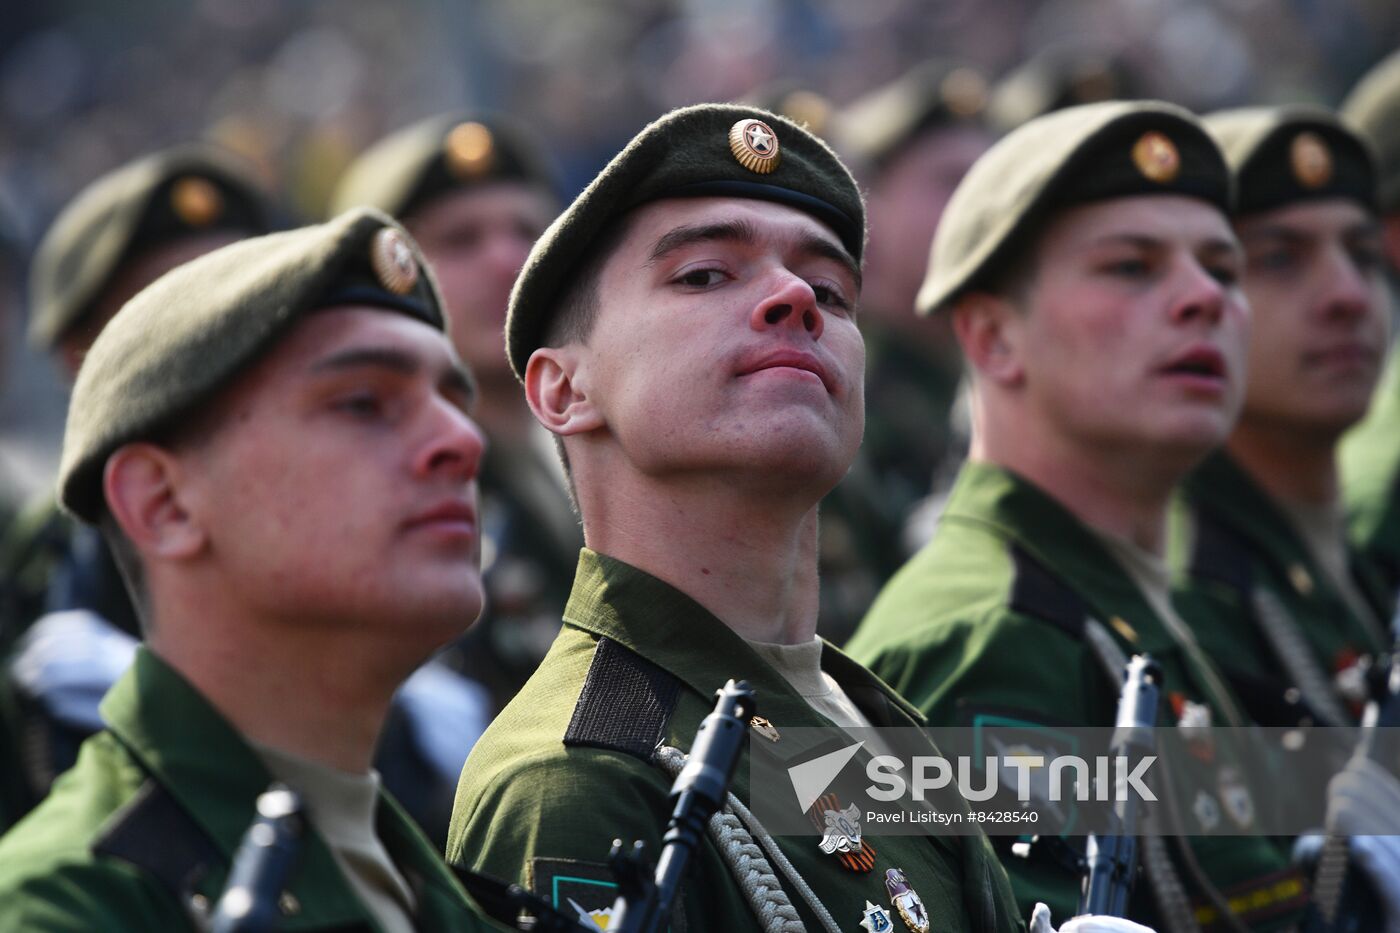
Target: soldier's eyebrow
741,231
737,231
453,382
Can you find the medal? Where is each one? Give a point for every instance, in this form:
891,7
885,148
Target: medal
876,919
906,902
840,829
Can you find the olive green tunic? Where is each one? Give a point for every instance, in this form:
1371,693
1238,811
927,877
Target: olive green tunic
532,808
1243,545
164,736
959,633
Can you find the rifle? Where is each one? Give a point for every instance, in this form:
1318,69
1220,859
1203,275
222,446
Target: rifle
644,903
261,865
1111,860
1342,900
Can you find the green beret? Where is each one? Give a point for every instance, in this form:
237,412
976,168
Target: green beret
1280,155
1073,156
418,163
876,127
1067,74
708,150
187,191
189,333
1373,109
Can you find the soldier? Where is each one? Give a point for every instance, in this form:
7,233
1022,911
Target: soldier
1274,595
476,192
274,440
1370,454
687,327
117,236
913,140
1091,273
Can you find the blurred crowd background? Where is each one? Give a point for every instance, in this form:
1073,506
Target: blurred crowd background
300,86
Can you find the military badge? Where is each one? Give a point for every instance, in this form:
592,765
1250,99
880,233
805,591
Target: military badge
755,145
876,919
964,92
1310,160
584,891
1207,811
469,151
1300,578
196,201
1236,798
393,261
1156,157
764,728
911,909
840,829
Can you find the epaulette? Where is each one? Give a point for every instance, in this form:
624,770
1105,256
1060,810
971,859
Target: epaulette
625,704
1037,592
156,834
1219,553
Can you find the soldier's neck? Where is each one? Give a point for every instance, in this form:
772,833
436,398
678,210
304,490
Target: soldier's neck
289,690
1124,492
752,564
1290,464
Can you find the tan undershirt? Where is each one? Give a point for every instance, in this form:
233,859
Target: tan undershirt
801,667
1153,579
1323,531
341,806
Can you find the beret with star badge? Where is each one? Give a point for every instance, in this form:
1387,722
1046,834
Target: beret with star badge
1373,110
707,150
192,331
413,166
934,94
183,192
1064,74
1281,155
1073,156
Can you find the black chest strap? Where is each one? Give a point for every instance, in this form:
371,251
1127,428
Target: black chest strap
626,703
154,833
1220,554
1038,593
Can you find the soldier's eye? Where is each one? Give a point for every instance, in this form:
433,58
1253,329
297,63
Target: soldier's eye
360,404
700,278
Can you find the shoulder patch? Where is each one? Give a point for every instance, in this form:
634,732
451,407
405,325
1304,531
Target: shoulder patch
154,833
625,704
1037,592
1219,554
582,891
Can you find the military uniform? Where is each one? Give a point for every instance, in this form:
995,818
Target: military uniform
1370,456
567,766
989,620
141,833
1248,573
1017,611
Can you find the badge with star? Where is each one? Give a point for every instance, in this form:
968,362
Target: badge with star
755,145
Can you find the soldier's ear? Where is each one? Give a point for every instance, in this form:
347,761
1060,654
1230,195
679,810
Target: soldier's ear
556,386
989,330
141,484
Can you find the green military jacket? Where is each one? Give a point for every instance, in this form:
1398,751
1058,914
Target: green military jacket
1241,543
1370,464
988,621
146,824
564,769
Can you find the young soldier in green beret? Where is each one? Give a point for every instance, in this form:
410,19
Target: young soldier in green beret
274,440
476,191
1272,591
118,235
687,329
1089,266
1371,452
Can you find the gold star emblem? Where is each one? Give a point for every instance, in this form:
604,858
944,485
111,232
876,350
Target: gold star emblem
469,151
1156,157
755,145
1311,160
196,201
393,261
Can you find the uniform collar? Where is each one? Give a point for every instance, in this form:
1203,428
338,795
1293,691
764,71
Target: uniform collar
183,742
1017,510
615,600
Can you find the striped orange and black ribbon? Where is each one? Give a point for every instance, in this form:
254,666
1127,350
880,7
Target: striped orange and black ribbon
860,861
